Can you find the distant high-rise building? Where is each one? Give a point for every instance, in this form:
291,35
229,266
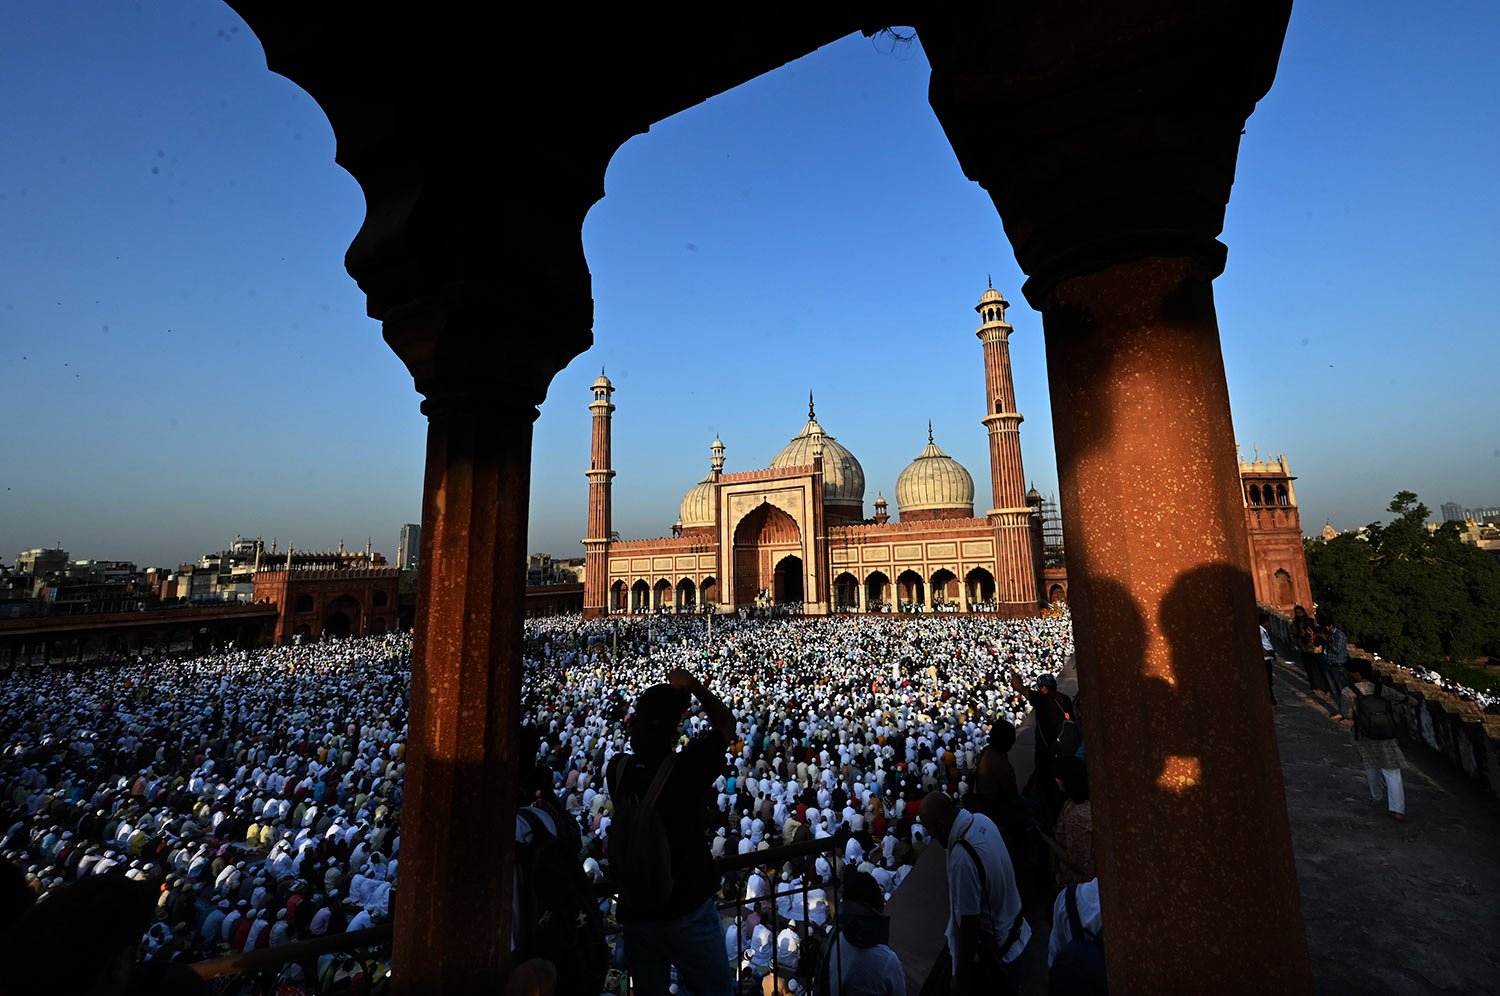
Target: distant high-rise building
407,549
42,561
1453,512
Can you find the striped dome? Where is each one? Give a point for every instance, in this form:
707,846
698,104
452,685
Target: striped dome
843,477
934,480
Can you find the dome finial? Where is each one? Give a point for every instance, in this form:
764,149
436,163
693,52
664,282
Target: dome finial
929,430
989,280
811,414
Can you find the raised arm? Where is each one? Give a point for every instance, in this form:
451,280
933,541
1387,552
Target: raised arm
718,713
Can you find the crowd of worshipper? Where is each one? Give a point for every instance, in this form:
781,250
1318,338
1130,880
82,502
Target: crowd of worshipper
256,793
843,724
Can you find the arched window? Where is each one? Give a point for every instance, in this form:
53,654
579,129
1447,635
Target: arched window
1255,494
1281,495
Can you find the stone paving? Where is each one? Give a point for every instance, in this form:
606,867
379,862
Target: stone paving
1390,908
1400,908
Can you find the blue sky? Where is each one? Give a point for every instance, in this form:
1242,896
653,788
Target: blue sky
186,359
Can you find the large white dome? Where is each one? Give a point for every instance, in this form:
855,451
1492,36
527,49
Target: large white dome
934,481
843,477
698,504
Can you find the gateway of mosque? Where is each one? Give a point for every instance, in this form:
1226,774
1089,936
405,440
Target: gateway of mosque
796,533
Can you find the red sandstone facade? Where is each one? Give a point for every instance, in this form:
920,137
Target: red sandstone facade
796,533
337,602
1277,560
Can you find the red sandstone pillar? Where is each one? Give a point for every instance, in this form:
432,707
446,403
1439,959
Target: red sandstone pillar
1108,144
1194,849
453,904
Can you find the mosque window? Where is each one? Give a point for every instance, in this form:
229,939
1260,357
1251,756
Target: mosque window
1281,495
1255,494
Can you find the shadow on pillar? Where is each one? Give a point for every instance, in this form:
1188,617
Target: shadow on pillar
1189,805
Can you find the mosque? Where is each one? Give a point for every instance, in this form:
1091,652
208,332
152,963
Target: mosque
796,532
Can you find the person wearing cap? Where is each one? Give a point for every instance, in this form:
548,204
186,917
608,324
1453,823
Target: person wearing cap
684,931
1049,710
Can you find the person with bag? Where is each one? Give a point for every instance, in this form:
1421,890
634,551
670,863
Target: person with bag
1375,738
986,931
658,841
1075,952
556,915
1055,734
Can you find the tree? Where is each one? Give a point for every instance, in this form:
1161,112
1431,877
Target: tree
1416,595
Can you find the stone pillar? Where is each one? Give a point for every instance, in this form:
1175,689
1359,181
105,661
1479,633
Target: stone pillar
860,596
453,910
1108,145
1163,607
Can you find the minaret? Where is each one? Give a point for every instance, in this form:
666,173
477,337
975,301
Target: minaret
1009,512
717,462
600,524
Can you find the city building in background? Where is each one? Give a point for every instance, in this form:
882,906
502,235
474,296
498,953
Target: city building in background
410,546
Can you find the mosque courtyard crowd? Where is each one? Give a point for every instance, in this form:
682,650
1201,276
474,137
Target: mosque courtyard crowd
217,803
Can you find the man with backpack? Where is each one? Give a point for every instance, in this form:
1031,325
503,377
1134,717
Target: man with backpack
557,917
1055,733
1375,738
658,842
1075,953
986,932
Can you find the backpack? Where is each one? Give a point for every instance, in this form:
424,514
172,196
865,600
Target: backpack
1069,739
1372,716
560,918
640,856
1079,966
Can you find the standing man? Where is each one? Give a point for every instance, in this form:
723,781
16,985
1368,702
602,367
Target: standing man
683,930
1049,710
1268,653
986,931
1335,660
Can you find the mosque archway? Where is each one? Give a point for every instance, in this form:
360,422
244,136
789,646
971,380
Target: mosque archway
761,540
640,596
708,590
846,593
341,617
687,595
617,597
981,585
661,595
878,591
1057,595
787,580
910,590
944,587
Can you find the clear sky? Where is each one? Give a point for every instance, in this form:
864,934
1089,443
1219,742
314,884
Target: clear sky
185,360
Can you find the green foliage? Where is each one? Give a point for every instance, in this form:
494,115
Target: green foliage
1416,596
